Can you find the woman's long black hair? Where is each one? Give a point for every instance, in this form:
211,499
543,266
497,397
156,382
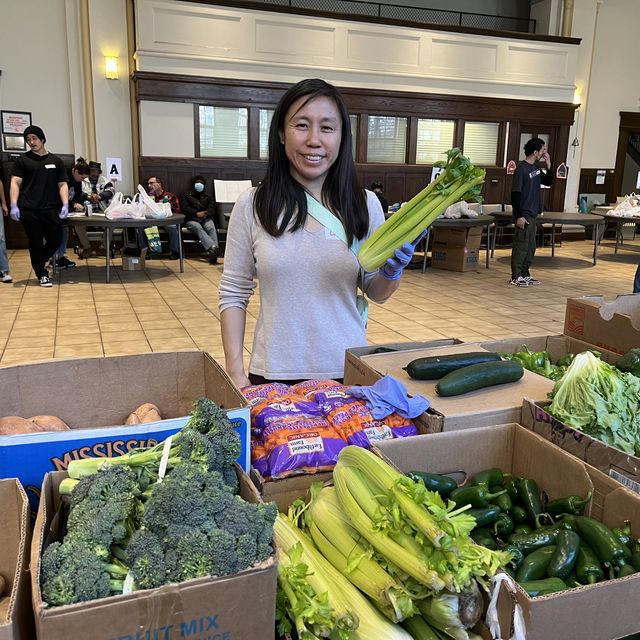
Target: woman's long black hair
279,198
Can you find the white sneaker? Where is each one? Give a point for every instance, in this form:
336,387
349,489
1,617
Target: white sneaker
519,282
5,276
45,282
533,282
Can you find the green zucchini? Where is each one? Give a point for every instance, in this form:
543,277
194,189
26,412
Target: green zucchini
479,376
436,367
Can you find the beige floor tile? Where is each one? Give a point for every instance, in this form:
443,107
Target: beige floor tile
173,344
22,355
30,342
166,324
165,334
122,336
119,325
69,351
78,338
125,348
22,331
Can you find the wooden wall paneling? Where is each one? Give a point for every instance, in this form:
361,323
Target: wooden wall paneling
629,124
588,183
253,129
493,187
412,140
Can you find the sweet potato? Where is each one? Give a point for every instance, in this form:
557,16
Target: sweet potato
146,412
49,423
14,425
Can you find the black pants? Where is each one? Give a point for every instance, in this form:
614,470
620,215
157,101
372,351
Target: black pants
256,379
44,233
523,250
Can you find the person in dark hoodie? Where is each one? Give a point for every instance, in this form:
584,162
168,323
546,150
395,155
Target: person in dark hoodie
199,210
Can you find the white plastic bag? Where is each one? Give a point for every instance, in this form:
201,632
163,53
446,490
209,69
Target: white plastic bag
629,207
153,209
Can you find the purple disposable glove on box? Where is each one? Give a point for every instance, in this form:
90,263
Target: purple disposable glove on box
389,395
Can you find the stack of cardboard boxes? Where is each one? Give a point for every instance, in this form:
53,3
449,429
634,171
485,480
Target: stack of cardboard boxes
456,249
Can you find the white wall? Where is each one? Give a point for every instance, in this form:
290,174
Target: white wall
35,69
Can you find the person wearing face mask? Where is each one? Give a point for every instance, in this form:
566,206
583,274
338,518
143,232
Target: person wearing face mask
199,210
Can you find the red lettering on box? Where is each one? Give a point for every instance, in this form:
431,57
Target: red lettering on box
576,320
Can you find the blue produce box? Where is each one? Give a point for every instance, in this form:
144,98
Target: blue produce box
92,395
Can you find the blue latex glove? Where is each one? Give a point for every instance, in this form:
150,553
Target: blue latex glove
389,395
15,212
393,267
64,212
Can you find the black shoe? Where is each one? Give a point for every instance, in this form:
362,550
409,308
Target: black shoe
174,255
213,255
64,263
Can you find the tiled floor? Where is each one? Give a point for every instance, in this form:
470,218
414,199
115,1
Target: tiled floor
161,309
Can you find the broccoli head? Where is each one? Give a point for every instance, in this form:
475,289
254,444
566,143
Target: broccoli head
145,557
72,572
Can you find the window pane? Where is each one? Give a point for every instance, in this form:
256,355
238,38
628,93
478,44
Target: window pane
223,132
387,141
354,134
265,123
435,138
481,142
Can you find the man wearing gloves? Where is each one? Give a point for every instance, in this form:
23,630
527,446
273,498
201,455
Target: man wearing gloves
39,198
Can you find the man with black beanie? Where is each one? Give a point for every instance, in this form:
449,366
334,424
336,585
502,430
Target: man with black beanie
39,197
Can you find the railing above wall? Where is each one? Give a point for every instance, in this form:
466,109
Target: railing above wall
426,16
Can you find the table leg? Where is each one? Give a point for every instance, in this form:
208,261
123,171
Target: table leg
618,234
488,243
426,246
108,251
597,234
180,245
553,240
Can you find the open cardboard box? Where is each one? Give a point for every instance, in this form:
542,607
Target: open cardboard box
493,405
606,610
93,395
623,467
16,619
556,345
608,324
284,491
238,606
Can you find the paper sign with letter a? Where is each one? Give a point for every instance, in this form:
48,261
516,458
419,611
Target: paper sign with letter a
114,169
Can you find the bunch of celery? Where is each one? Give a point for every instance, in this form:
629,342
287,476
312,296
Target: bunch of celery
317,600
411,527
460,180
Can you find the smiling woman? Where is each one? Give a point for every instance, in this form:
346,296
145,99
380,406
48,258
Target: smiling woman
297,233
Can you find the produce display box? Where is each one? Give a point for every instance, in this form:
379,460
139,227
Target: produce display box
285,490
493,405
456,249
16,618
196,609
606,610
608,324
93,394
556,345
617,464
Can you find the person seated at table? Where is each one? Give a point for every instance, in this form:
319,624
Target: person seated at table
98,189
79,172
157,191
376,187
199,210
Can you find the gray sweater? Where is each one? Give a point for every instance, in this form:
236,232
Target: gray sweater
308,286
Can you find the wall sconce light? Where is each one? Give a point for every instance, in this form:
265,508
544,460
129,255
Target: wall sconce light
111,67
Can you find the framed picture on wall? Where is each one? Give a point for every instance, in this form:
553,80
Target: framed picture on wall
15,122
13,143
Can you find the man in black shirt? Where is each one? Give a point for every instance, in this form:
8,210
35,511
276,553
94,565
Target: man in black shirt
526,203
39,199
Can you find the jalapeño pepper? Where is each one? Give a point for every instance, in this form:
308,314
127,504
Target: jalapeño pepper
503,501
518,514
543,587
484,538
484,515
565,555
529,495
517,557
443,485
534,566
635,560
528,542
522,529
603,541
489,477
588,568
475,495
571,505
512,490
626,570
624,533
503,525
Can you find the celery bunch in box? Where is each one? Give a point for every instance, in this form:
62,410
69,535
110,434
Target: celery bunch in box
460,180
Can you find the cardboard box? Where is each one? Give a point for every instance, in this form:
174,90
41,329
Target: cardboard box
16,618
101,392
456,249
604,610
615,463
196,609
612,325
285,490
134,263
494,405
